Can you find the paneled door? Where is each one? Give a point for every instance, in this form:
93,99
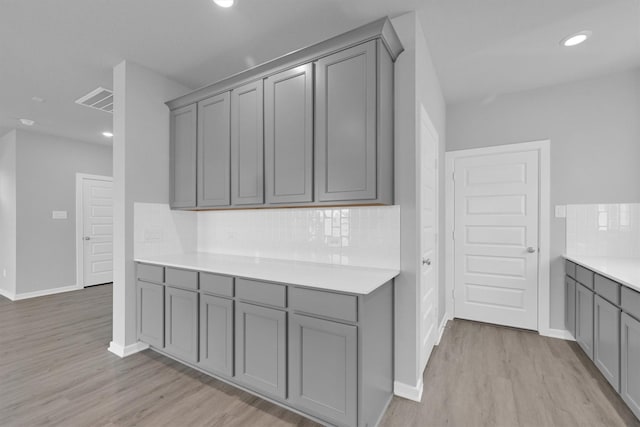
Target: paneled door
97,233
496,238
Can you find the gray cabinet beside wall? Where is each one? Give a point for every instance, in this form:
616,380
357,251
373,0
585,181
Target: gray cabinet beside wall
150,313
570,305
584,319
606,340
182,156
181,323
630,362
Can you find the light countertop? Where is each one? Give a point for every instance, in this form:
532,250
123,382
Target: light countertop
622,270
354,280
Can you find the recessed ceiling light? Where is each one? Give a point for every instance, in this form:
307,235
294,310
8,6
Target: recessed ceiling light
107,134
224,3
27,122
575,39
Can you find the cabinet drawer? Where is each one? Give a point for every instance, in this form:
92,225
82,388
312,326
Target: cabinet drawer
261,292
631,302
181,278
328,304
584,276
150,273
570,269
216,284
608,289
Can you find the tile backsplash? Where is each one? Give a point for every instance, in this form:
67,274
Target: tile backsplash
604,230
359,236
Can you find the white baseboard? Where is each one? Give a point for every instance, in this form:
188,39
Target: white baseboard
443,325
8,294
27,295
562,334
124,351
407,391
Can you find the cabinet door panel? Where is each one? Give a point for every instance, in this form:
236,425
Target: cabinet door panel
606,340
181,324
570,305
584,319
346,124
183,157
216,334
247,145
630,358
289,135
214,151
323,368
260,348
150,313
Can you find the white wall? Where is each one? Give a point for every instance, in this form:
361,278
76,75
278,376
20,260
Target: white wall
8,215
595,145
416,84
140,174
46,169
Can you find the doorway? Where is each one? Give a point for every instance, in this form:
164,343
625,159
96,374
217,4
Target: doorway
94,230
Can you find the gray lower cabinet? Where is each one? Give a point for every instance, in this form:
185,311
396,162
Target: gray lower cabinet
606,340
288,142
323,357
150,313
181,323
630,362
584,319
570,305
182,157
247,145
216,335
214,151
261,348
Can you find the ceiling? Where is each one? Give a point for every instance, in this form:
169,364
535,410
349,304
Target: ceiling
481,48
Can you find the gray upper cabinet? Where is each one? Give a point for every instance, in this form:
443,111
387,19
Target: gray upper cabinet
181,323
214,151
584,319
216,334
606,340
630,362
247,144
288,131
345,124
150,313
183,142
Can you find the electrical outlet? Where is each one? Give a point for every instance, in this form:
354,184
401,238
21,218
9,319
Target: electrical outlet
59,214
561,211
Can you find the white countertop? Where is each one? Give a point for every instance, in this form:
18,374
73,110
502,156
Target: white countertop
354,280
622,270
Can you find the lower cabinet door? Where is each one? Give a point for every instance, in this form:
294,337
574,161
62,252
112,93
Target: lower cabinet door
216,334
323,360
606,340
584,319
570,305
261,348
630,362
181,324
150,313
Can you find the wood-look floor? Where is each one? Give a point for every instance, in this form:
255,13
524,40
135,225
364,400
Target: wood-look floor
55,370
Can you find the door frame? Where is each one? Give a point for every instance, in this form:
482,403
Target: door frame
543,147
80,178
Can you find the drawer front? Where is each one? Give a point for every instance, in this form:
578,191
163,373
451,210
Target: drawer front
608,289
186,279
216,284
151,273
570,269
631,302
584,276
328,304
261,292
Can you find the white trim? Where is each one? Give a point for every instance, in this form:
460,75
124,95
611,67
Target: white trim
27,295
408,391
557,333
127,350
79,223
442,327
544,149
8,295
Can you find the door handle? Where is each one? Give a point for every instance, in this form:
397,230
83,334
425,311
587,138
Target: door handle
531,249
426,261
87,238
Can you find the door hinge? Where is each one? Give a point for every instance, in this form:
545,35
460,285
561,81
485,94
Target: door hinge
453,234
453,176
453,293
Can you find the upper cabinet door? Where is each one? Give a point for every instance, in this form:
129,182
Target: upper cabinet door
183,157
247,145
214,151
346,124
289,135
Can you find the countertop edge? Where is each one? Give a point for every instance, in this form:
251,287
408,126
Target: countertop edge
597,269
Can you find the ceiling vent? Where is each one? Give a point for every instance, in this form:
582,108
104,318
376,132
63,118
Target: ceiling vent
100,99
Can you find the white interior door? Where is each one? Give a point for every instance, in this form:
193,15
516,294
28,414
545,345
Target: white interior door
496,198
97,224
428,238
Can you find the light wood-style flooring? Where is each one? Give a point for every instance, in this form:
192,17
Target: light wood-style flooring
55,370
